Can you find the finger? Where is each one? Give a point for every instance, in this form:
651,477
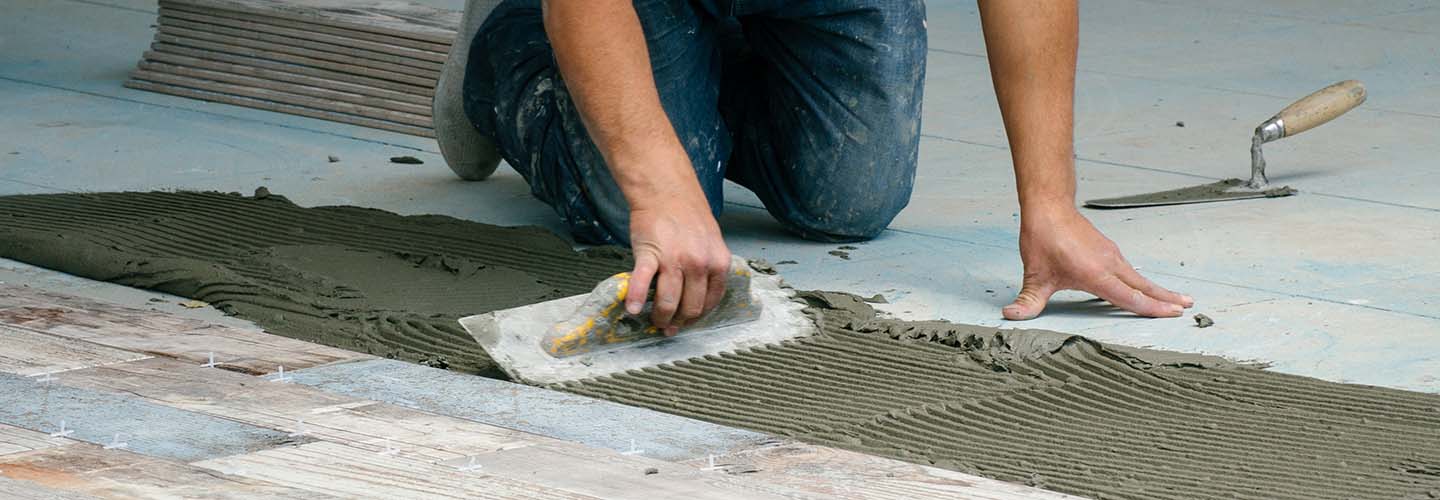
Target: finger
692,303
1116,292
640,279
1139,282
1034,294
719,275
668,287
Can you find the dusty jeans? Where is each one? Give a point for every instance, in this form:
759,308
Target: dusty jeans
813,105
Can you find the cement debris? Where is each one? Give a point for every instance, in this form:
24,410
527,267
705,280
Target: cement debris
763,266
840,253
406,160
1042,408
1203,321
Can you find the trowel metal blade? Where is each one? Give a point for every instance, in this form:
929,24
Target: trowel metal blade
1226,190
512,336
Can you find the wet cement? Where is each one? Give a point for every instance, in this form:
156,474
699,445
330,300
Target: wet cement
1057,411
353,278
1042,408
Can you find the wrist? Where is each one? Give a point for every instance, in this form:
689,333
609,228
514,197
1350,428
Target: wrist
1048,207
1045,186
661,181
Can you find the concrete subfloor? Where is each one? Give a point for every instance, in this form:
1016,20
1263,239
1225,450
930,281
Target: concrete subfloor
1336,283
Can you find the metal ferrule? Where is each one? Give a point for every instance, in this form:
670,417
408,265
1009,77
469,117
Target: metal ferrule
1272,129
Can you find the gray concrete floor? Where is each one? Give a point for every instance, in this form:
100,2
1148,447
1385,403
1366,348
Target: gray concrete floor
1338,282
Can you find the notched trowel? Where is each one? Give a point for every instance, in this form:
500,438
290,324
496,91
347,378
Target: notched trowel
1309,112
591,335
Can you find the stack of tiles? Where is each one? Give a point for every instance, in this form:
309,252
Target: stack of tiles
371,63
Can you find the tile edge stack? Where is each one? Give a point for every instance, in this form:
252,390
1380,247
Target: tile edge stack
372,63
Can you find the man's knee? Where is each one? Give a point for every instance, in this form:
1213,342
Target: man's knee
856,204
858,219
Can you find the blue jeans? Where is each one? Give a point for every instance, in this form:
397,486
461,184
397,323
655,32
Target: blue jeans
813,105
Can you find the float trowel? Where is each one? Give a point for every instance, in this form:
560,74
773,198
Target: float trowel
1309,112
591,335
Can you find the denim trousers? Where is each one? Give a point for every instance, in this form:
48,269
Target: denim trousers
812,105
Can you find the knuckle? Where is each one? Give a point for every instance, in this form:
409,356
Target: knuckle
671,268
691,311
719,265
691,263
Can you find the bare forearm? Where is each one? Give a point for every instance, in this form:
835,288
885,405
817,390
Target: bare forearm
600,48
1031,46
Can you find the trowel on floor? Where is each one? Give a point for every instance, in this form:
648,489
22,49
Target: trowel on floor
591,335
1309,112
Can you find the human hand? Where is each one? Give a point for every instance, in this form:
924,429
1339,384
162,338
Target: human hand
678,247
1061,250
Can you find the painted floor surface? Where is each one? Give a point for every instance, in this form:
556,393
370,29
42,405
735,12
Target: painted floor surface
1336,283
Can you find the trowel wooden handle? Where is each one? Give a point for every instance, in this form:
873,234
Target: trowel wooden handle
1322,106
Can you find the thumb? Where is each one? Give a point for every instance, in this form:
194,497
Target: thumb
1034,294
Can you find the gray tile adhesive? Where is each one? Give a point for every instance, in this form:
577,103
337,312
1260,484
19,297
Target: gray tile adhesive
1042,408
353,278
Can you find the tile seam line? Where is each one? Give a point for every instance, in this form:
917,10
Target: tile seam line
215,114
1185,174
1388,14
113,6
963,141
1378,202
1241,92
936,49
405,403
1192,86
41,186
1173,275
1344,22
894,230
417,407
1295,295
1138,319
1383,281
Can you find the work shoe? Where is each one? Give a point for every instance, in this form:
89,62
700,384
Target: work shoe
472,155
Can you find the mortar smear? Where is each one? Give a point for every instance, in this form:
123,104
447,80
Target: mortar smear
1043,408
